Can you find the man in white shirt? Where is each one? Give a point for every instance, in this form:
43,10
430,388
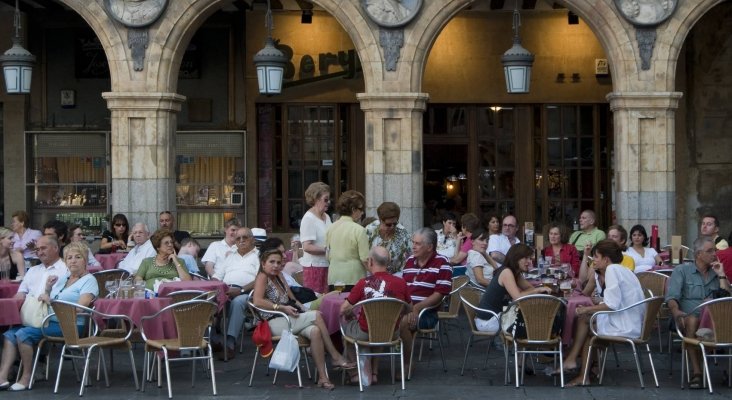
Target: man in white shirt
217,251
143,249
34,283
498,245
238,271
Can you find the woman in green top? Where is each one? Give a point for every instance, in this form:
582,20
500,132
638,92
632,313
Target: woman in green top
165,265
346,241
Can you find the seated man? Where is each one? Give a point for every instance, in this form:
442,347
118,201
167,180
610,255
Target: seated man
429,279
238,271
188,252
143,249
217,252
379,284
689,286
167,221
498,245
59,229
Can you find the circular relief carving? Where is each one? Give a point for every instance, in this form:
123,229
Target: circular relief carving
135,13
391,13
646,12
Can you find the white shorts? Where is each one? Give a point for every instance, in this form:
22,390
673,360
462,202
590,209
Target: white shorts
488,325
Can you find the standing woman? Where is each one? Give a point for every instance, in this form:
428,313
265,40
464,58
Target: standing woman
389,233
117,236
271,292
645,257
559,248
6,246
348,247
77,235
314,224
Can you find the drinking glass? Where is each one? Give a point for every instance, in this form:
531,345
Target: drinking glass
566,287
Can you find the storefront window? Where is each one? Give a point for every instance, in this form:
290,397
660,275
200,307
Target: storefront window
210,180
68,178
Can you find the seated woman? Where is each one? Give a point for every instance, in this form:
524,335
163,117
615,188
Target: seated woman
78,287
480,265
165,264
559,248
621,290
447,236
645,257
507,284
77,235
271,292
6,247
117,236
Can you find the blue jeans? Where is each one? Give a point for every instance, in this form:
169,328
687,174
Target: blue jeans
30,335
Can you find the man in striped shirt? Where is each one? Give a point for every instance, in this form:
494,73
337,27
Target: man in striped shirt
429,279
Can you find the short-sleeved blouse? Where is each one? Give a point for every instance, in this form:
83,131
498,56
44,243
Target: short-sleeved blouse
87,284
149,272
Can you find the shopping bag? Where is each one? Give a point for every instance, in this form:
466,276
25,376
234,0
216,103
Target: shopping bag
33,312
262,338
286,355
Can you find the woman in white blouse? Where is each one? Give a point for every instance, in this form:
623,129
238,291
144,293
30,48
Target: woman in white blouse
313,226
645,257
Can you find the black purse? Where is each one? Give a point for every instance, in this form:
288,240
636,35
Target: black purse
303,294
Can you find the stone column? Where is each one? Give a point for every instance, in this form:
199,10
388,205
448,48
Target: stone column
394,153
645,170
143,153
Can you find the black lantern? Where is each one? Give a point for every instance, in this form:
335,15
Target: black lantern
17,62
517,61
270,62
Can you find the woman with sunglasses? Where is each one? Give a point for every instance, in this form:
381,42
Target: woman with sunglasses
389,233
116,237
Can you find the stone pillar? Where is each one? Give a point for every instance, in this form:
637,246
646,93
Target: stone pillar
645,168
143,153
14,156
394,153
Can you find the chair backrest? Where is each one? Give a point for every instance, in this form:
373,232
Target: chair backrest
192,319
103,277
382,315
539,311
720,310
653,306
653,281
67,314
453,301
185,295
298,277
470,296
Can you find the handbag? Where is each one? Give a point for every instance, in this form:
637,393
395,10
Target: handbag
286,355
33,312
303,294
262,338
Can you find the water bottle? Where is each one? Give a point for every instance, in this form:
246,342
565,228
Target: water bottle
540,263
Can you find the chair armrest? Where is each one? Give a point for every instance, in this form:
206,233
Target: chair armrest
279,313
608,312
478,309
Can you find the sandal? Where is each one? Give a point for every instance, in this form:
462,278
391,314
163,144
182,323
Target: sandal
344,366
696,382
375,378
326,385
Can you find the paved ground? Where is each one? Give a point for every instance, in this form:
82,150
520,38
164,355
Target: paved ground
428,382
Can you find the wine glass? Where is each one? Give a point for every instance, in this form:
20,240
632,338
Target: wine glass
111,289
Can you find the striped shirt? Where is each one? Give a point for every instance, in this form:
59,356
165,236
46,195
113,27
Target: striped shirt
434,276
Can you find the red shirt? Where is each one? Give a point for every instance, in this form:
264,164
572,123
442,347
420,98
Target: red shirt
434,276
381,284
567,254
725,257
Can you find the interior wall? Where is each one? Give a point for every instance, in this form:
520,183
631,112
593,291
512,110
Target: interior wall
706,139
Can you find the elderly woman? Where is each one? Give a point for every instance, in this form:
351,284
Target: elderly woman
77,287
77,235
389,233
645,257
118,235
313,226
6,247
165,264
271,292
559,249
348,247
621,289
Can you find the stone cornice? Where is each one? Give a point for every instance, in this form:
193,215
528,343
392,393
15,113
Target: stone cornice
657,101
144,101
393,101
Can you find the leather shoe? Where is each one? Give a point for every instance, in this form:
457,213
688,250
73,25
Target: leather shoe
230,354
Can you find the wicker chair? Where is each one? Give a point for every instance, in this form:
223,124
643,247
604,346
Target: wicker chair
106,276
427,334
302,341
538,311
192,320
600,342
185,295
453,305
67,314
719,311
470,298
654,284
382,316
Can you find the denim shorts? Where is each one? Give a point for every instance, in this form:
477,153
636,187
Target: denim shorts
30,335
429,320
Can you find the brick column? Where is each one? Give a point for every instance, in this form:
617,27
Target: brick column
394,153
143,153
645,168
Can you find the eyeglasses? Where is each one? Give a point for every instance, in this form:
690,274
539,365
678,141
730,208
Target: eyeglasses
120,224
509,226
167,243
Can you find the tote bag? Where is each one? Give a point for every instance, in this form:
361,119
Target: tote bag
33,312
287,353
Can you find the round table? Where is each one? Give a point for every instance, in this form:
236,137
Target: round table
158,328
10,312
330,308
573,301
109,261
8,289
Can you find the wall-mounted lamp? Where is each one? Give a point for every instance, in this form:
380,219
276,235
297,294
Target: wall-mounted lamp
270,62
307,17
575,77
572,18
462,177
450,186
452,178
517,60
17,62
560,77
495,108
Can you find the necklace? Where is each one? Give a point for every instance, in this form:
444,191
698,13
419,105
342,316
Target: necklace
157,265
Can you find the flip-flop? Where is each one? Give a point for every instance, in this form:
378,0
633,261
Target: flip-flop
570,371
696,382
345,366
